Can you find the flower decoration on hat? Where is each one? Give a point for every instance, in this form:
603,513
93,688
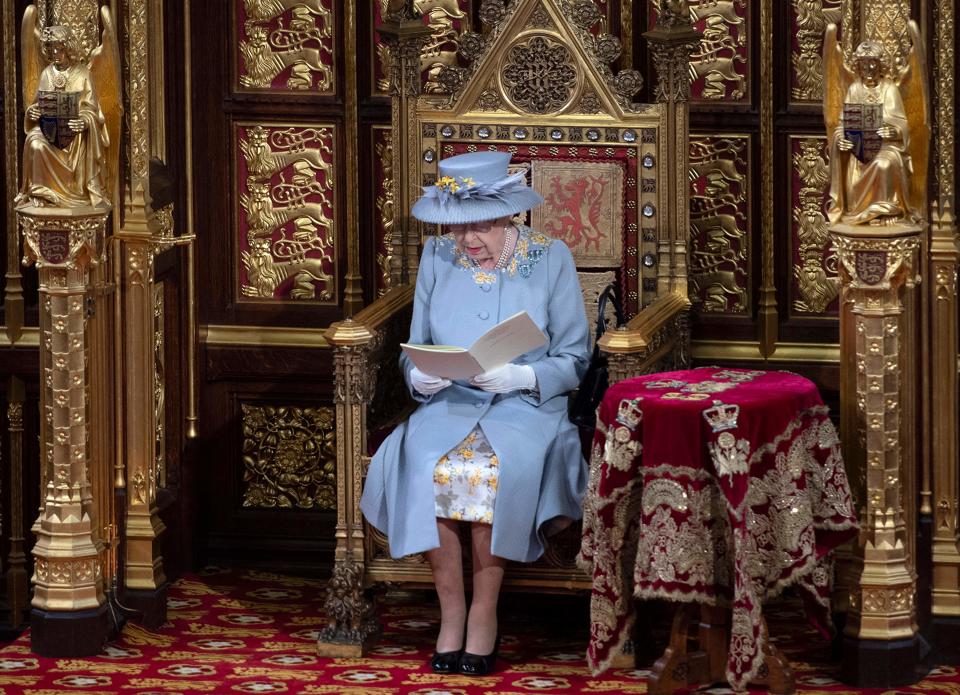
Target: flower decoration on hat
448,187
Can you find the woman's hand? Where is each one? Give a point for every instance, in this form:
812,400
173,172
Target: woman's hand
427,384
509,377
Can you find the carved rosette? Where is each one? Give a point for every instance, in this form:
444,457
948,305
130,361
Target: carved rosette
289,457
810,19
874,271
555,83
816,284
287,221
539,75
717,67
286,45
719,220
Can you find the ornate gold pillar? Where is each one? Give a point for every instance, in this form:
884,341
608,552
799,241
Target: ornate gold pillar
941,477
671,42
69,615
143,233
943,258
143,577
351,622
63,209
878,214
876,264
405,34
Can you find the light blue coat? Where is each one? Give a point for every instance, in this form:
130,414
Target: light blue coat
542,471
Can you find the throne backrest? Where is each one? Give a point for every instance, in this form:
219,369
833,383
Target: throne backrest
539,86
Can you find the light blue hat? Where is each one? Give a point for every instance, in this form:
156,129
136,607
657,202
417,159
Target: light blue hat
474,187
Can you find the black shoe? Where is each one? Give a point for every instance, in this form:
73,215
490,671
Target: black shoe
479,665
446,662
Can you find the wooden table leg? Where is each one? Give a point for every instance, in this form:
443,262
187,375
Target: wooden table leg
775,671
682,666
698,652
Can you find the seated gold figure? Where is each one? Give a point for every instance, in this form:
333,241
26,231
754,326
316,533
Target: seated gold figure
877,131
72,120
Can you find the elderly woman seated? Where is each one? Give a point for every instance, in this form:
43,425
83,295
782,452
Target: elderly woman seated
497,451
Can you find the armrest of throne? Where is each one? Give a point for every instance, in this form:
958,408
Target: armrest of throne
655,340
366,355
371,398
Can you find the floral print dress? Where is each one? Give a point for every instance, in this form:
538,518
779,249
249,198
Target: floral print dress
465,480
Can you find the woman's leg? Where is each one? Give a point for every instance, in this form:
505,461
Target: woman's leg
487,577
447,564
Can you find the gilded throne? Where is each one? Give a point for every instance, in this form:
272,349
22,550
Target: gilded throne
613,173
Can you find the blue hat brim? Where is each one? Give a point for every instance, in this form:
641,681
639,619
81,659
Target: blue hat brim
464,211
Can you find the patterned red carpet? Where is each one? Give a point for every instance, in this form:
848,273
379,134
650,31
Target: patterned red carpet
253,632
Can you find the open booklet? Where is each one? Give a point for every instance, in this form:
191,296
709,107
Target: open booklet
503,343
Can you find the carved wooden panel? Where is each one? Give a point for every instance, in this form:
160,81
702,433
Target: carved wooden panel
719,70
286,217
720,220
289,457
809,20
285,45
815,283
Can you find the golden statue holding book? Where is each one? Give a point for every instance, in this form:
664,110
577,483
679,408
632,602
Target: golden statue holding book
878,133
72,119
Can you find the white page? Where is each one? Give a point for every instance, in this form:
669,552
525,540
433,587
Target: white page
501,344
449,364
507,340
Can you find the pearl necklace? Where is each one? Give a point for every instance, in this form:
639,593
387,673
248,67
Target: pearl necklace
504,254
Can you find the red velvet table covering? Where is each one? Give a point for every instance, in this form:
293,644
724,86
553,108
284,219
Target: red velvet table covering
717,486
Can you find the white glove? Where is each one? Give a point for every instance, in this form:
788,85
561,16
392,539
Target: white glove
427,384
509,377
